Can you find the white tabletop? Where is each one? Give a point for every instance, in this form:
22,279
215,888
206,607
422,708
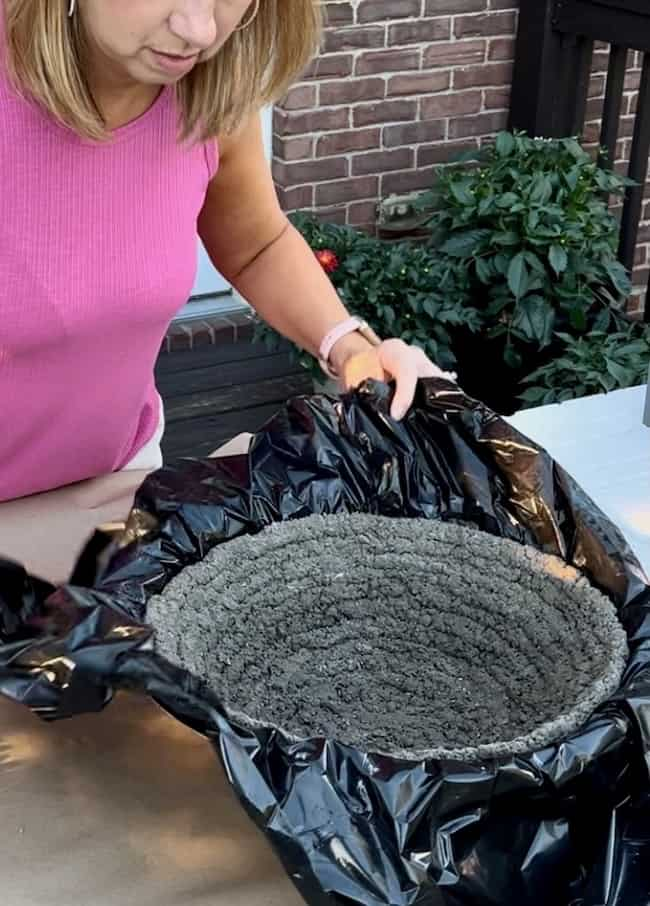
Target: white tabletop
602,442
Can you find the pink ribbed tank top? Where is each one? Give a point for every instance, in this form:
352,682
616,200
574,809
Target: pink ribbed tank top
97,253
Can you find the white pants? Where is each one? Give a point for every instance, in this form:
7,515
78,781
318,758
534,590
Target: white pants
149,458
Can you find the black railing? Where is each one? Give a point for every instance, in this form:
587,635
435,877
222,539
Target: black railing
551,79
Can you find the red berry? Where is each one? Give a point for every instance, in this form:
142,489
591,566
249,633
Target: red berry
328,260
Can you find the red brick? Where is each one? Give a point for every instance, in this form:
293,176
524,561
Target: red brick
483,124
448,7
406,181
344,142
413,133
293,148
321,170
300,97
382,161
489,24
644,233
626,126
418,83
332,214
349,91
596,86
354,38
363,214
338,14
486,74
501,49
326,120
347,190
374,61
420,31
454,53
296,198
442,152
384,112
455,103
379,10
334,65
497,98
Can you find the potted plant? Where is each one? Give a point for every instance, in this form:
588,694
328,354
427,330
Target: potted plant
529,223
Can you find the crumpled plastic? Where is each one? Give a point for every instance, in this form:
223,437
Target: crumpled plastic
565,826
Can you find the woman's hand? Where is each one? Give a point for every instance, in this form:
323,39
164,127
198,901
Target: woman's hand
395,361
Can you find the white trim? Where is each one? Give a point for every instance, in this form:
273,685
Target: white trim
212,294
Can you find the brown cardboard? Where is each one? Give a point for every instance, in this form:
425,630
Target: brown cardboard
127,807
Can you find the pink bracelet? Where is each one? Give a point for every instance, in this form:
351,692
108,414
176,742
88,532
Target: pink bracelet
350,325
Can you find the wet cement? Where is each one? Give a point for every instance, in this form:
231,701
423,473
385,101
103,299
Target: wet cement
412,638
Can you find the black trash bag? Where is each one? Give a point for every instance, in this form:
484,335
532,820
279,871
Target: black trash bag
565,826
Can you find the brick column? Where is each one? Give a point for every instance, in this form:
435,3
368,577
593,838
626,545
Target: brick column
399,86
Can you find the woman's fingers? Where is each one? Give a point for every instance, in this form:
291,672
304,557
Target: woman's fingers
362,367
406,379
393,360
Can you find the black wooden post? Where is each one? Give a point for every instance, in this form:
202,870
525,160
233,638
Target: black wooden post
535,101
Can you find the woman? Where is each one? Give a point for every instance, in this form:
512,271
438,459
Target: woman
123,123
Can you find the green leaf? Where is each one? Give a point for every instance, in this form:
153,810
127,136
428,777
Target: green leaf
507,200
501,263
465,244
620,374
574,149
508,237
485,205
461,190
558,259
535,263
518,276
535,318
431,308
511,357
572,177
533,395
619,277
483,271
541,190
505,144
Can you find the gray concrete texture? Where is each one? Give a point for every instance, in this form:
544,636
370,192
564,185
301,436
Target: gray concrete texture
406,637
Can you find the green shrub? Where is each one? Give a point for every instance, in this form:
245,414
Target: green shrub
529,221
591,364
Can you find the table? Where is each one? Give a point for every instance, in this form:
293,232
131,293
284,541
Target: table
129,807
602,442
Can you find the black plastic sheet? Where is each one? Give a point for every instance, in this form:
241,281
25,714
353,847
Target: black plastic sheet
567,826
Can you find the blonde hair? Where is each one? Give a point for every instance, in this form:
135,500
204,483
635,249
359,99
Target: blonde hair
256,65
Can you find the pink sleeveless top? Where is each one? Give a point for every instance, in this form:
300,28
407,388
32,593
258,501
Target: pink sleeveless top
98,251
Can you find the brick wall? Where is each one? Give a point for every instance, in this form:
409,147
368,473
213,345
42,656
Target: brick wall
399,86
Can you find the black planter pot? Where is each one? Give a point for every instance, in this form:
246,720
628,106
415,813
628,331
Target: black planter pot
484,374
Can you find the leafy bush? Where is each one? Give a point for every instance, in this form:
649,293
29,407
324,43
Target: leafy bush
401,289
591,364
528,219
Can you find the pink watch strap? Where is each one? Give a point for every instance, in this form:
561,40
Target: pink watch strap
350,325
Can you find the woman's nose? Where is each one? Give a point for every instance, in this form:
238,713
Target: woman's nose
194,23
